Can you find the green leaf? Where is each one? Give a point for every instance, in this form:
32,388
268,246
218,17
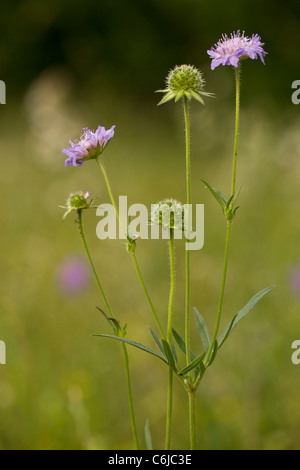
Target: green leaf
112,321
135,344
179,95
181,343
220,197
203,329
174,353
229,201
206,93
197,97
192,365
213,353
169,96
237,194
148,436
201,371
156,340
169,355
242,313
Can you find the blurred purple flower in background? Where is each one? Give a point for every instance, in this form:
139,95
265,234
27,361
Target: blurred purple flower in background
90,145
294,280
73,275
228,51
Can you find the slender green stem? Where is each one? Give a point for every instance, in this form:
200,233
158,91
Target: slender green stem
111,194
138,271
229,221
172,286
192,418
191,392
133,425
132,416
214,337
237,119
187,253
92,263
137,268
169,409
170,315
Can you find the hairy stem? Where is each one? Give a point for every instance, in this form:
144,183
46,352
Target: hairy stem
237,119
221,297
92,263
133,425
187,253
132,416
192,411
192,418
138,271
170,314
137,268
229,221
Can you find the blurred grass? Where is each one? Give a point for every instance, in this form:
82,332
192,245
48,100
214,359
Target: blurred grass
63,388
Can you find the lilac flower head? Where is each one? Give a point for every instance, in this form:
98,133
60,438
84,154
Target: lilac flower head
90,145
229,51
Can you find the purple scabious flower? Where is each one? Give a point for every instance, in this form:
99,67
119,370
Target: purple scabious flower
229,51
90,145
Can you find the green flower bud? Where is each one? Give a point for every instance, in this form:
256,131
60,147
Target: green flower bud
184,81
131,245
168,213
77,201
185,78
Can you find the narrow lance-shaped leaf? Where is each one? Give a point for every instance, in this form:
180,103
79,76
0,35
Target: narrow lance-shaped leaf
203,329
135,344
242,313
148,439
110,320
156,340
174,353
200,371
220,198
213,353
169,355
229,201
181,343
192,365
169,96
237,194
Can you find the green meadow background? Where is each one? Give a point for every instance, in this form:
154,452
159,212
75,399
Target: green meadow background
73,64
